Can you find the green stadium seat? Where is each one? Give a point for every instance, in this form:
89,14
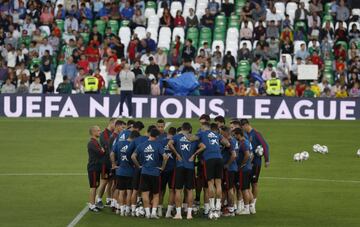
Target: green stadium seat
34,61
85,36
101,26
329,76
327,18
342,43
300,24
273,62
114,25
60,24
205,36
328,65
220,20
327,9
25,40
113,87
151,4
124,23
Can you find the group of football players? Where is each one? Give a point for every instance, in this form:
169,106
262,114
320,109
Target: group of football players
135,169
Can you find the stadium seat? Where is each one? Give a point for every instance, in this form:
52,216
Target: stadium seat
355,11
101,26
153,21
114,25
250,25
200,8
248,44
150,5
288,58
300,24
310,44
153,32
125,36
205,36
175,6
232,35
233,48
329,76
124,23
297,45
149,12
344,25
86,37
351,24
178,31
219,43
273,62
327,8
257,24
164,38
141,32
187,6
342,43
193,34
291,7
160,12
280,8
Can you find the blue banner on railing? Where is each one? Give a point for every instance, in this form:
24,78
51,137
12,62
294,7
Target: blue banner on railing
179,107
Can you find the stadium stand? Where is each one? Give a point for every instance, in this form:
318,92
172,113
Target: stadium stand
234,40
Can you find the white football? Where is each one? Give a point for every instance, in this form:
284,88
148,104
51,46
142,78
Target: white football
316,147
325,149
139,212
358,153
297,157
259,150
304,155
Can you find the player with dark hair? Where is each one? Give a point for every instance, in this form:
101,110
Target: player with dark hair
244,163
149,154
167,176
201,182
105,165
213,164
184,149
135,198
121,161
220,121
257,141
95,152
230,170
160,125
235,124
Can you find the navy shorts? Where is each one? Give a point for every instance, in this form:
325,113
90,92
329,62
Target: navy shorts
94,178
255,173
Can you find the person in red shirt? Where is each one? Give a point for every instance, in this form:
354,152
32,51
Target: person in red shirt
177,44
101,80
132,49
93,55
300,88
179,20
316,60
340,65
83,63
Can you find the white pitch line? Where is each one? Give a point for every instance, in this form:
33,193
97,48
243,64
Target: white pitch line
268,178
78,217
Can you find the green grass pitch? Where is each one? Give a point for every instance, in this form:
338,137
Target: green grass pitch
289,195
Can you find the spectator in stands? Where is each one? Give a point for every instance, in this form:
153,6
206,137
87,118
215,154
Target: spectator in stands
339,52
354,34
274,48
179,20
283,68
245,32
300,88
36,87
160,58
191,19
242,89
189,50
316,7
36,72
46,17
341,33
207,19
85,12
137,69
48,88
228,73
252,90
145,58
244,53
315,88
308,93
206,48
219,86
342,12
201,58
255,66
301,13
22,88
174,57
227,8
213,7
259,31
258,13
104,12
313,20
46,64
79,81
166,20
313,31
216,58
152,68
71,22
287,46
8,87
266,75
155,87
65,86
45,46
228,58
127,12
127,79
286,22
69,69
302,53
99,77
355,91
138,19
273,16
342,93
246,12
28,26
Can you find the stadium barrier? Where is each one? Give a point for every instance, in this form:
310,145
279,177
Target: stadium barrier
179,107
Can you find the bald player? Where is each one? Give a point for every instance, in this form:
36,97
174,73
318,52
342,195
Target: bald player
95,152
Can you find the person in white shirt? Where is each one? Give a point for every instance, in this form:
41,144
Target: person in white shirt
127,79
8,87
11,57
145,58
246,32
45,46
283,68
28,26
272,15
36,87
72,23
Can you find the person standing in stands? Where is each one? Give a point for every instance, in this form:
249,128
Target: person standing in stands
127,79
